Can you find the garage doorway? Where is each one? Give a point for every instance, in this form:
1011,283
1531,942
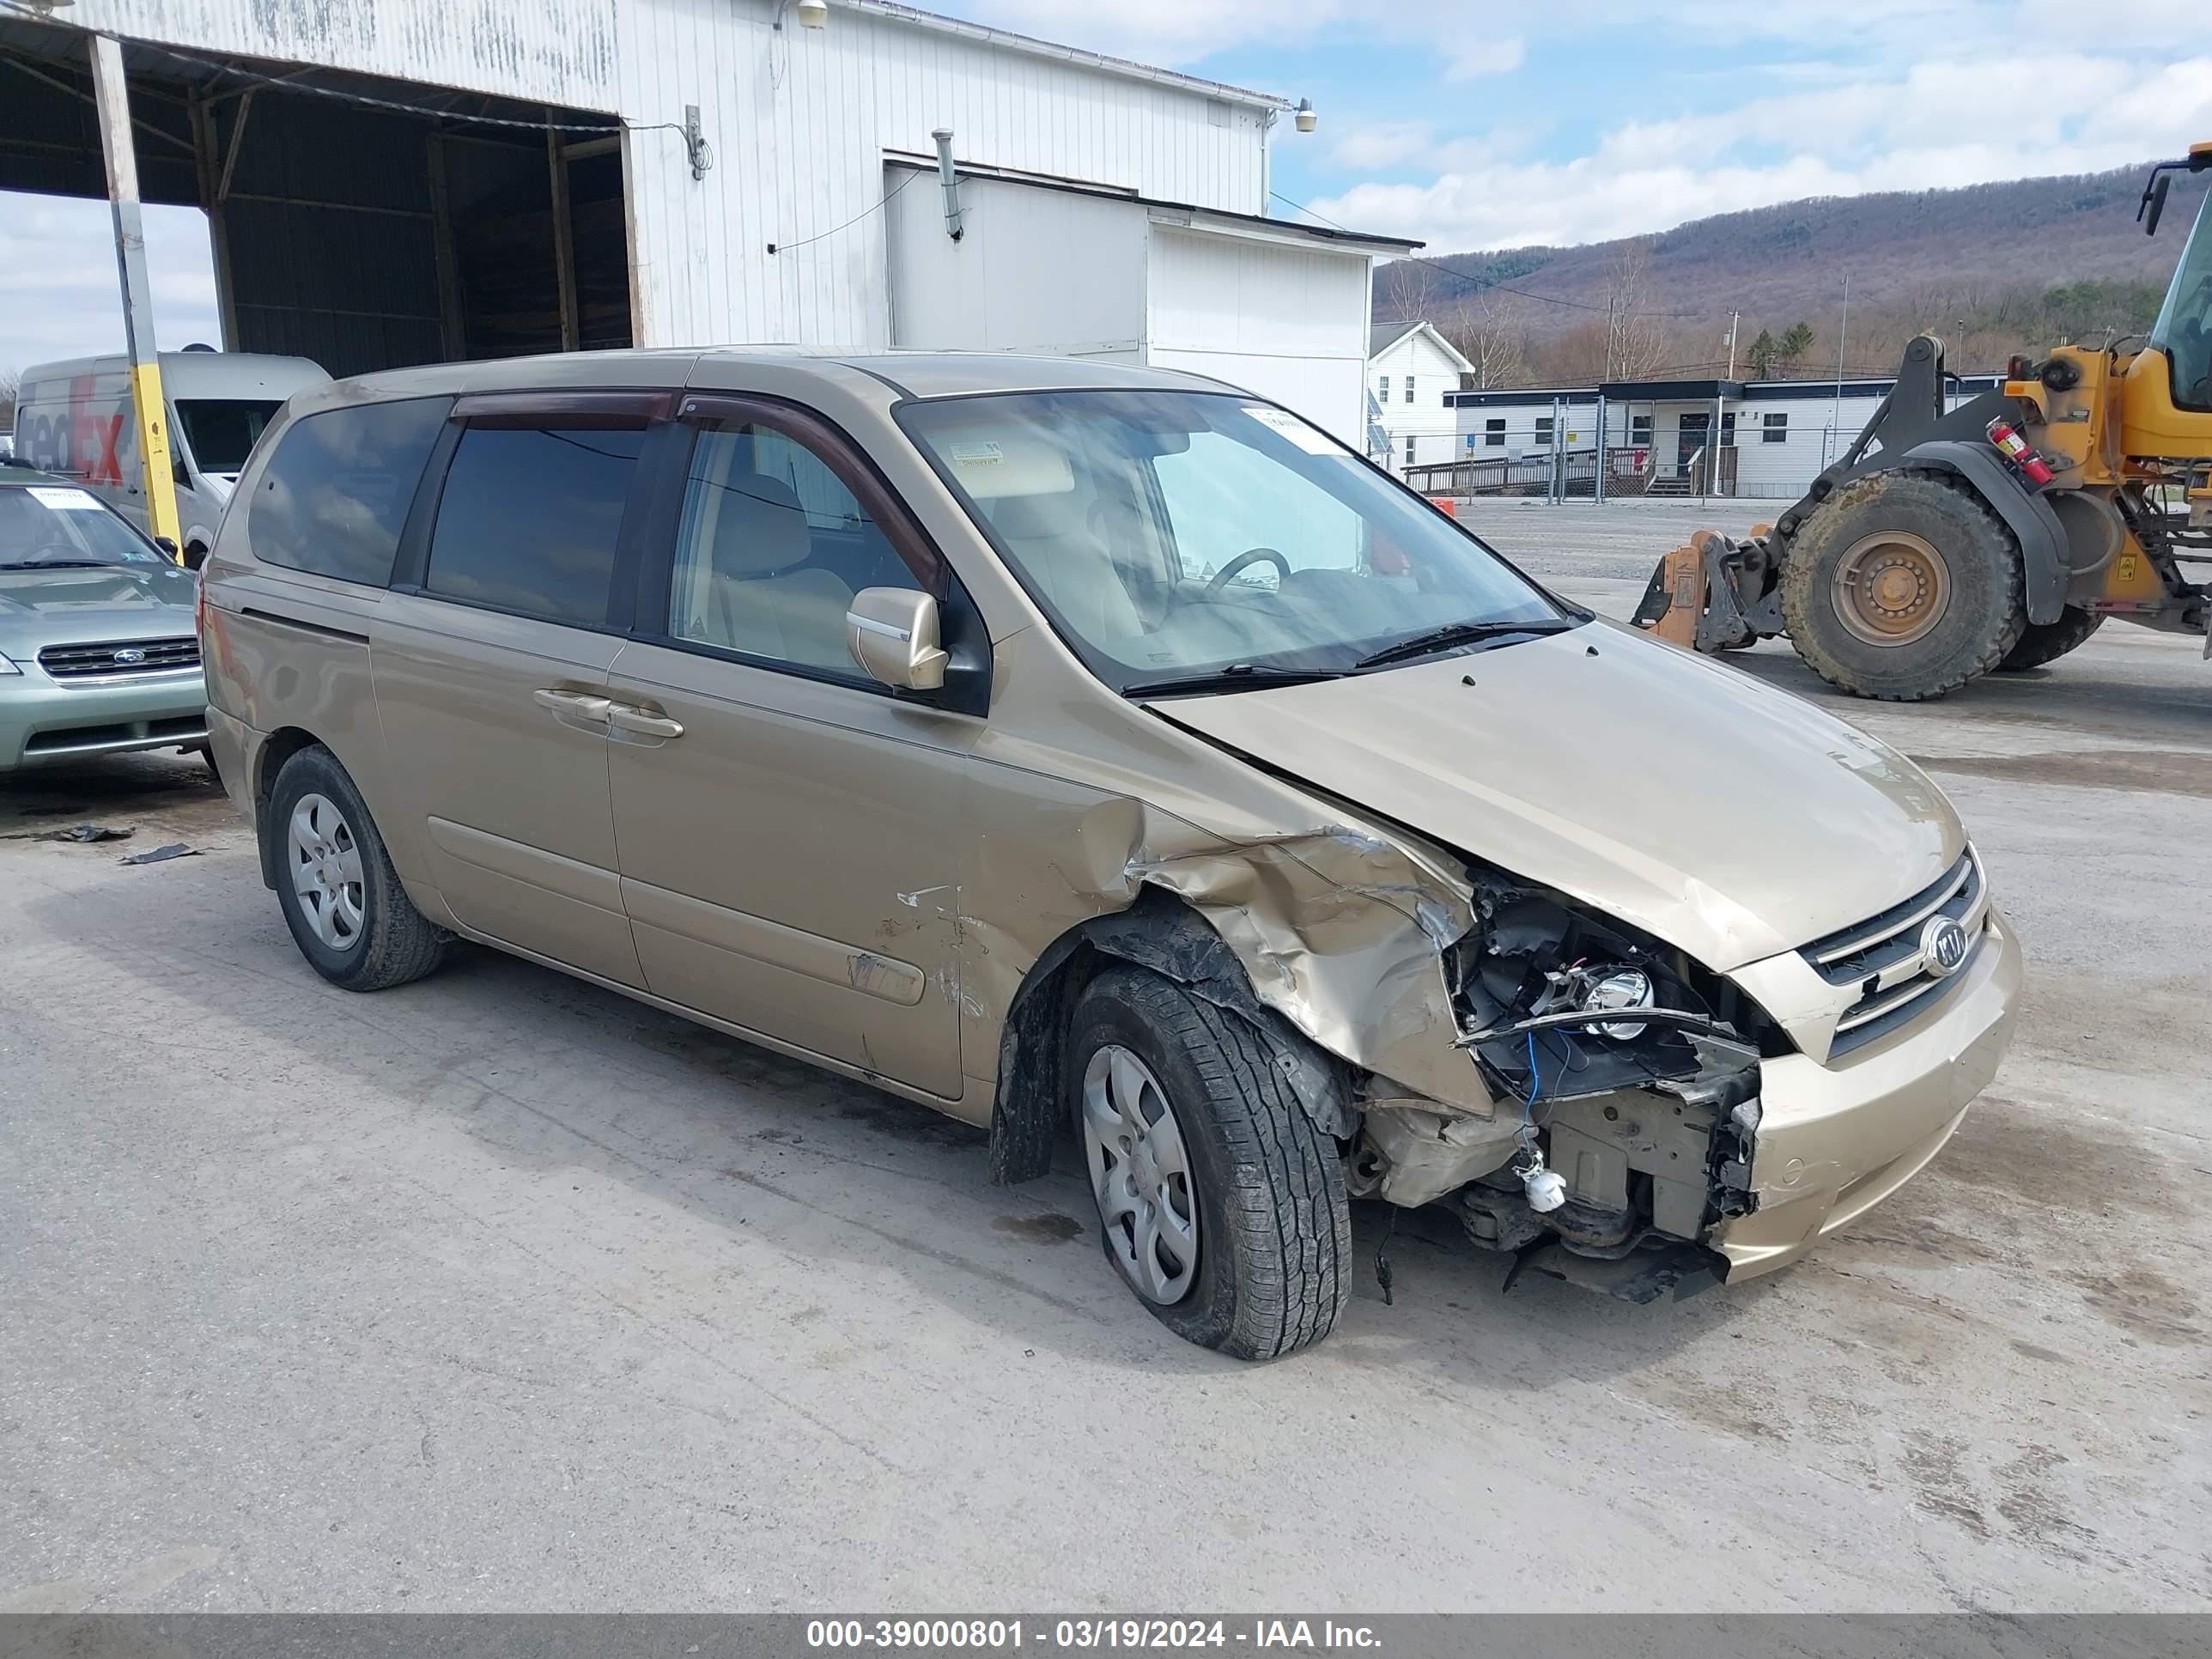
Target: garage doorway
364,222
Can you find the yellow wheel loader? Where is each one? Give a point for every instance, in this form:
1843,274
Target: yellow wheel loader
1999,535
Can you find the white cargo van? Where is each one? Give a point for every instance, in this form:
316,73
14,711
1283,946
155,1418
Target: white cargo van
73,419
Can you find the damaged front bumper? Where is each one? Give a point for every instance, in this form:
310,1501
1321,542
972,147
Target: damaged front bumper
1834,1141
1679,1181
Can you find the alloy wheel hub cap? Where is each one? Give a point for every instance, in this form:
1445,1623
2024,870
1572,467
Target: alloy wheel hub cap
326,871
1141,1174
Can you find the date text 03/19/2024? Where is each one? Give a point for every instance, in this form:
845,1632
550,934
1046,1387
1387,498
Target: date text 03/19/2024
993,1635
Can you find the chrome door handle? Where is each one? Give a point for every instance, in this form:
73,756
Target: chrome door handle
624,718
581,704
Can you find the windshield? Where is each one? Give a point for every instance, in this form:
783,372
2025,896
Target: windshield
2183,329
60,524
1172,534
222,432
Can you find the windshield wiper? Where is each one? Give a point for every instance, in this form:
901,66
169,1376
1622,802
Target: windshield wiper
56,564
1465,632
1237,676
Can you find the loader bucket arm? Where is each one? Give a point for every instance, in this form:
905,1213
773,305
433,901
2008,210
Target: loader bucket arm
1711,593
1715,594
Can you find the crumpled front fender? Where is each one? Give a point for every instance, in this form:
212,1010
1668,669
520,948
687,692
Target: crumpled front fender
1337,931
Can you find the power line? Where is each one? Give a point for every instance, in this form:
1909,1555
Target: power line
785,247
1482,286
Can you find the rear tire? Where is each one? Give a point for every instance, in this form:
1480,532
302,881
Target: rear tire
1903,586
341,897
1269,1217
2044,642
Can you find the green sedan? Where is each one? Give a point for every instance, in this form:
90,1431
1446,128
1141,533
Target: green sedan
98,655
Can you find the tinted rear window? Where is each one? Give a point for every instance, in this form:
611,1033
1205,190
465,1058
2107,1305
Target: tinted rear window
334,498
529,518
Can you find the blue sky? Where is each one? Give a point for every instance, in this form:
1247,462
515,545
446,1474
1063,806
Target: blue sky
1472,124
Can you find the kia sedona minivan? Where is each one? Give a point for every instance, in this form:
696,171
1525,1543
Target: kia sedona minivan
1104,756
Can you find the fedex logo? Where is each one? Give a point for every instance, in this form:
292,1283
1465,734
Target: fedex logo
82,438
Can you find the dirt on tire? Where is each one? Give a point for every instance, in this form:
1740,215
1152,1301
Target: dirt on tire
1275,1233
1983,620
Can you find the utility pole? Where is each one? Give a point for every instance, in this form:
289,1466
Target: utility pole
1713,438
1836,415
148,406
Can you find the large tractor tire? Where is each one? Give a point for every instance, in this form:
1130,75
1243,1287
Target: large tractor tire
2045,642
1902,586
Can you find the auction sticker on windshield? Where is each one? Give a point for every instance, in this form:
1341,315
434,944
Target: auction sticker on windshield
1313,442
64,499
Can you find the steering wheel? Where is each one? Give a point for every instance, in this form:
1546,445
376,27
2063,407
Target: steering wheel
1228,572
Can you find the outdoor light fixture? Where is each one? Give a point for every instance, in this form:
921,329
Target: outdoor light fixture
1307,119
813,13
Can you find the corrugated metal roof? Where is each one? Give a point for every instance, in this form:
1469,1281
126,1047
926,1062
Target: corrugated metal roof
560,51
1201,217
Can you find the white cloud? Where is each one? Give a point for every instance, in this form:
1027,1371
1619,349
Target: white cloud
1179,32
1937,125
1482,57
59,289
1364,149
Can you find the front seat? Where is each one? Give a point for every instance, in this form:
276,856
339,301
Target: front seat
760,598
1071,571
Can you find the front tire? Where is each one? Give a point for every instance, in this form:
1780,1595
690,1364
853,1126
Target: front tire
1903,586
341,897
1221,1204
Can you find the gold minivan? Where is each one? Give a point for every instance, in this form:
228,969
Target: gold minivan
1105,755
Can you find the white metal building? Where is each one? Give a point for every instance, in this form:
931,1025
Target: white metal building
391,181
1413,374
1055,266
1777,435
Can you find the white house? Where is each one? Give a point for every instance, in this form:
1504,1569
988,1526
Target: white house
390,182
1775,436
1413,374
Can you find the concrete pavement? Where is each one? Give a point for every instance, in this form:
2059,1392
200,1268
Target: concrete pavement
498,1292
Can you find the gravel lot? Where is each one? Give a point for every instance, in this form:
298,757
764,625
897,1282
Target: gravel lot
498,1292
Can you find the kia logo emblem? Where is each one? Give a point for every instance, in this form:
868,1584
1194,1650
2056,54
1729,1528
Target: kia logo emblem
129,657
1943,946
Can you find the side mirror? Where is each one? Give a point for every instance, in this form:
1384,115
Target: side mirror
892,634
168,546
2154,203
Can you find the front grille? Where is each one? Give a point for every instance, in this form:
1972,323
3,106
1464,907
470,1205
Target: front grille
1882,955
73,662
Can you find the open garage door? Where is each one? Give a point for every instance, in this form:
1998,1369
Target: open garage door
364,222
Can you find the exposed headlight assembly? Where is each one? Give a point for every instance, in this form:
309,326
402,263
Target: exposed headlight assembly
1540,974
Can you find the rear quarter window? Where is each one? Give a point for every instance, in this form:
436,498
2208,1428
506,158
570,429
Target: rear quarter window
334,497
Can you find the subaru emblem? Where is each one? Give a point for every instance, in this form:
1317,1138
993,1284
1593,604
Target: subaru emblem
1943,946
129,657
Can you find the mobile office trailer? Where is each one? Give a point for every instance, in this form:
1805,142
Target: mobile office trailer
73,419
